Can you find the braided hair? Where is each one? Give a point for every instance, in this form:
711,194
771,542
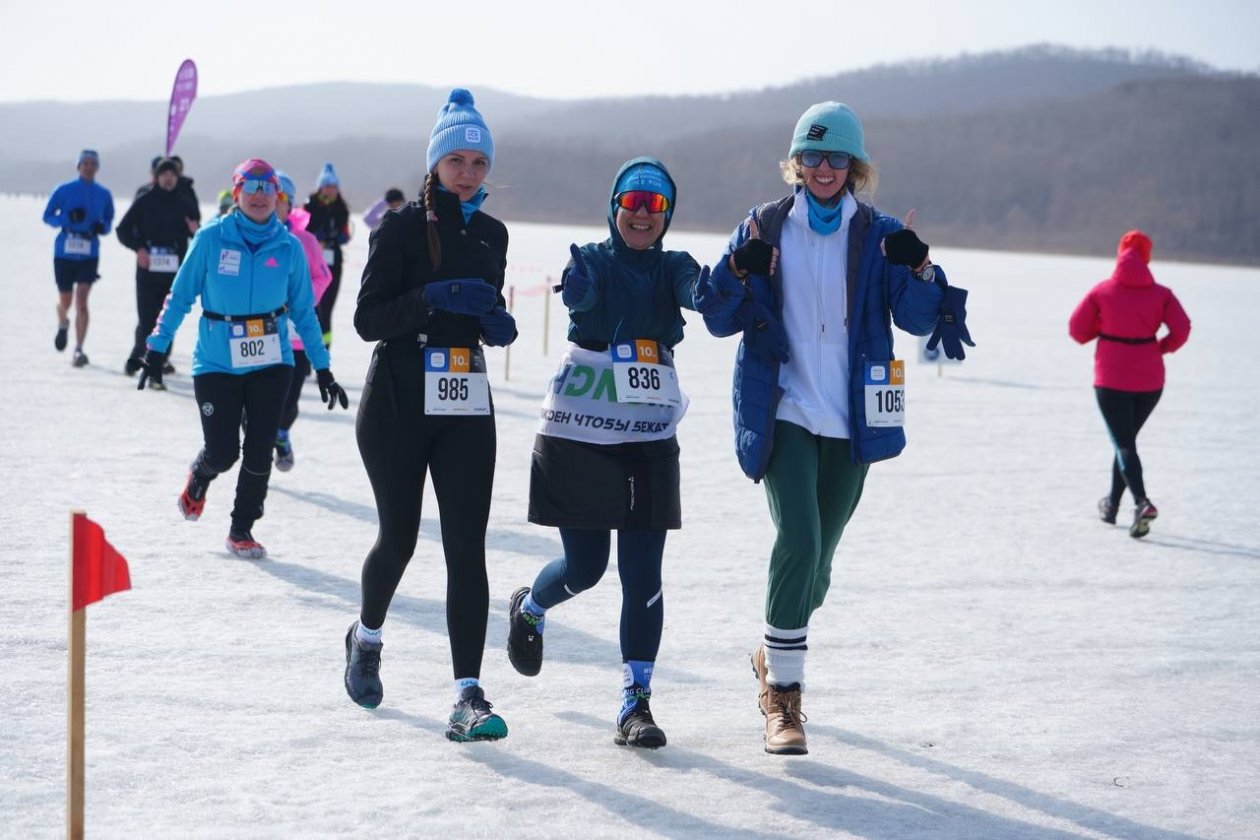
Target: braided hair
435,244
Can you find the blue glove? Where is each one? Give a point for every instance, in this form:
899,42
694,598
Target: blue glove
498,328
465,296
763,333
577,281
951,328
714,290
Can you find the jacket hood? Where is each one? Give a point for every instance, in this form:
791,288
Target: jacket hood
299,218
1131,269
613,191
1135,240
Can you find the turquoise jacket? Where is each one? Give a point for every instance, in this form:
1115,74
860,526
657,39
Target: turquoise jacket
230,278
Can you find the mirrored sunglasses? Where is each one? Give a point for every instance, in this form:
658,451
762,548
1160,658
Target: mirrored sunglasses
838,160
634,199
251,186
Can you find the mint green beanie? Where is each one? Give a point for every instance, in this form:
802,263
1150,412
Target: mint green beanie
829,127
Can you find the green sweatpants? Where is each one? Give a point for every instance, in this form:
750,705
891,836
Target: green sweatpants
813,488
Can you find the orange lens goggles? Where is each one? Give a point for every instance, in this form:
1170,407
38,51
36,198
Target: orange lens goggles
634,199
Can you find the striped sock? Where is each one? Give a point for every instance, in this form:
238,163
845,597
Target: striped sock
785,655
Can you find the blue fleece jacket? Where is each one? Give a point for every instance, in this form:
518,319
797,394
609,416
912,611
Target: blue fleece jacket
98,209
233,278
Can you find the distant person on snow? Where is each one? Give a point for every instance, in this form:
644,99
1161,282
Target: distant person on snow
330,222
814,281
431,294
226,203
296,219
625,297
252,279
393,199
1124,312
82,211
157,227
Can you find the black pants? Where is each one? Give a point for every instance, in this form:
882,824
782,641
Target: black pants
399,446
325,308
301,370
1125,412
151,291
221,398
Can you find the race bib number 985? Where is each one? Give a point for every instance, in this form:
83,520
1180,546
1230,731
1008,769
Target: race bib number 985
455,382
644,373
254,342
886,393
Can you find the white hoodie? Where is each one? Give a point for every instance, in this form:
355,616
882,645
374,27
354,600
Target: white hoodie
813,269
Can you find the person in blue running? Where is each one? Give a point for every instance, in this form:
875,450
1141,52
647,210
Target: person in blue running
625,297
83,211
252,278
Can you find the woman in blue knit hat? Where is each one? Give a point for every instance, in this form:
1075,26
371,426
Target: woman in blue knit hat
606,456
330,222
812,282
430,297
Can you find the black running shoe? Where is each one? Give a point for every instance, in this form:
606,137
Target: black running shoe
472,718
62,336
80,359
132,366
525,640
363,670
637,728
168,368
1107,510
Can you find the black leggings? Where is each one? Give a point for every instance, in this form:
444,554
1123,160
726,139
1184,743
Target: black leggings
1125,412
151,291
398,450
301,370
324,308
221,398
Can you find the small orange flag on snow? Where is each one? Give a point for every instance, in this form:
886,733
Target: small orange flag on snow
99,570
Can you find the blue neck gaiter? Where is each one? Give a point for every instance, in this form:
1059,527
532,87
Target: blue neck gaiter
472,205
823,219
256,233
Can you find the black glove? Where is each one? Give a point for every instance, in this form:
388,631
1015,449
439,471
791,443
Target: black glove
466,296
98,228
151,367
905,248
77,215
951,328
329,391
763,332
498,328
753,256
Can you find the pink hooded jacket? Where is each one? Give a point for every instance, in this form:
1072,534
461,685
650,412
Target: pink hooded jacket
1130,305
321,276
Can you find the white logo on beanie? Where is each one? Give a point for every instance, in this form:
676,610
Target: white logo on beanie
472,134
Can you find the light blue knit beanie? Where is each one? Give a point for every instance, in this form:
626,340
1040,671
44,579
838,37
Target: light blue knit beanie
459,126
328,175
829,127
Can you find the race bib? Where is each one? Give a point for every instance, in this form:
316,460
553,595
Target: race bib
455,381
886,393
330,256
254,342
80,246
163,261
644,373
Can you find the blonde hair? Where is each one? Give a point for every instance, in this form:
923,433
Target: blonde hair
862,178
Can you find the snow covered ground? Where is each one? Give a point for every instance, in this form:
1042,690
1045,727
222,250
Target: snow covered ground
993,662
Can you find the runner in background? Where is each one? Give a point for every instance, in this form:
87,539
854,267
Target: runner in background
226,204
82,211
330,222
393,199
625,297
157,227
296,219
252,279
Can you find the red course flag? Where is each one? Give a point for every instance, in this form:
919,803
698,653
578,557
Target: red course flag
99,570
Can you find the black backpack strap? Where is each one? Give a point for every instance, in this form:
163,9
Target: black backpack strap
770,217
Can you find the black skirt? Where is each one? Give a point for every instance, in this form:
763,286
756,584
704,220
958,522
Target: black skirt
613,487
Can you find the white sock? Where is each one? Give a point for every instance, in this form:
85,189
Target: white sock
785,655
462,683
363,634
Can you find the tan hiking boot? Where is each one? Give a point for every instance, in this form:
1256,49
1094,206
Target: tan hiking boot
759,668
785,730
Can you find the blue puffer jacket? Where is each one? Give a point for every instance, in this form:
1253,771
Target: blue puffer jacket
635,294
232,279
879,293
98,209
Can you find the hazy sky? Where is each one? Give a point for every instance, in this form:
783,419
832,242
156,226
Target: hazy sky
129,49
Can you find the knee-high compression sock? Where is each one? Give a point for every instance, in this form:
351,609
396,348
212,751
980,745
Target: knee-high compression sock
785,655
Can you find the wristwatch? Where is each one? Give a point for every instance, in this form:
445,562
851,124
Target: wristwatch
927,275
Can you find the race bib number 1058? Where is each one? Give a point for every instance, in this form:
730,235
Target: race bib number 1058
886,393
